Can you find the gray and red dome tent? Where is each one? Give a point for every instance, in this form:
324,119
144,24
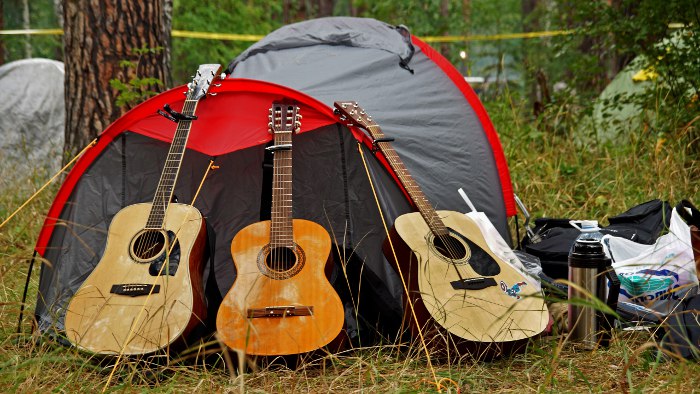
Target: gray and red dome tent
441,129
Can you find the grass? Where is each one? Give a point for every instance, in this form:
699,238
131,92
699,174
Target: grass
556,174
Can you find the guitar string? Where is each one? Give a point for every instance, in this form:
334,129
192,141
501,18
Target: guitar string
431,217
209,167
417,195
166,184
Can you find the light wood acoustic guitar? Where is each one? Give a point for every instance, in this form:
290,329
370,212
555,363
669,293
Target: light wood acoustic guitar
455,283
146,291
281,302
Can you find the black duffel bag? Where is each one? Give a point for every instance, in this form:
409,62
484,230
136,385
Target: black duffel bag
553,237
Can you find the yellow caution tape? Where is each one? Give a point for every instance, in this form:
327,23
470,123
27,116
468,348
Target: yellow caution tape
216,36
495,37
257,37
32,32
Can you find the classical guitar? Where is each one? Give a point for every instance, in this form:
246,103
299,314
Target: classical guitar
455,283
146,291
281,302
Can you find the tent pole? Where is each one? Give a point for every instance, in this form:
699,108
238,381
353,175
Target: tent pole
24,295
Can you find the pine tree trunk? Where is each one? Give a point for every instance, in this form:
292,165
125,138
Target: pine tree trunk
98,35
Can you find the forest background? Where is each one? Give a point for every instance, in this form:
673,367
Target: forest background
541,93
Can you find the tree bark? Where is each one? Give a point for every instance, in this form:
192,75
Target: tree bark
98,34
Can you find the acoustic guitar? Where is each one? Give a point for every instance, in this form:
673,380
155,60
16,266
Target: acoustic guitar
146,291
455,283
281,302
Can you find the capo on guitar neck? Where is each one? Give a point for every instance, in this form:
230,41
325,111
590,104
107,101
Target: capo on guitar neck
275,148
173,115
375,141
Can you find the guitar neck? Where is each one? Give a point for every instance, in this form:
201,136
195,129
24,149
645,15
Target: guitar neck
166,184
281,232
410,185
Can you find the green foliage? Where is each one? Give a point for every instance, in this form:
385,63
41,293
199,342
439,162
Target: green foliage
41,16
222,16
136,89
606,38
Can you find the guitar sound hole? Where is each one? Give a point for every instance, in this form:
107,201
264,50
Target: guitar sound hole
281,259
148,245
450,247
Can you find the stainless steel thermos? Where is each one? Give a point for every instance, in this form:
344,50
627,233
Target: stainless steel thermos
588,270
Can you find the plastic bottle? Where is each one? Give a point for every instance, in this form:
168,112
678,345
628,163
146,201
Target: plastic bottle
589,230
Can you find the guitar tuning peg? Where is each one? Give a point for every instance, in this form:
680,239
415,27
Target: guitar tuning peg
213,94
222,76
217,85
299,116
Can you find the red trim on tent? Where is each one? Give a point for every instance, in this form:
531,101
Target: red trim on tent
491,135
246,101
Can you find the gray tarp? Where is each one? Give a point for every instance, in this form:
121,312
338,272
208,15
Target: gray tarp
33,113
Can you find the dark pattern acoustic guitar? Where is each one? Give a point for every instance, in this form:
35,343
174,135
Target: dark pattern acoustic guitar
455,282
146,291
281,302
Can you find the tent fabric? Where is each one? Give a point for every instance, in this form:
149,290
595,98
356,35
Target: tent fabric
31,128
330,188
442,131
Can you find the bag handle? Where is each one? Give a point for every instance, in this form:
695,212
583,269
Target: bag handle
692,217
606,323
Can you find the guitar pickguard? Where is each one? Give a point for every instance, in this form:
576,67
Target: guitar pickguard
156,268
469,253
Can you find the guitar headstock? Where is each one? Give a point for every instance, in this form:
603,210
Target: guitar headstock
284,118
206,73
351,114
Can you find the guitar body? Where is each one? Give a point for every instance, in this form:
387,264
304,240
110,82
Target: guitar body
501,308
291,309
113,312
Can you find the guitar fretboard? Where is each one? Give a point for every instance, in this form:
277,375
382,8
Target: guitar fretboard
166,185
414,191
281,232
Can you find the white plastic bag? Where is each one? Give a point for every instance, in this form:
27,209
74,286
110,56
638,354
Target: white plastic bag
656,276
500,247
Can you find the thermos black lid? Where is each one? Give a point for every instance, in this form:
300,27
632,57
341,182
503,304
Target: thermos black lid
588,254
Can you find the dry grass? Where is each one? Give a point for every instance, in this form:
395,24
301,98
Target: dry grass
552,173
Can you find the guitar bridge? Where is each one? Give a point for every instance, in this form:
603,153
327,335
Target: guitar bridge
134,289
473,283
280,311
